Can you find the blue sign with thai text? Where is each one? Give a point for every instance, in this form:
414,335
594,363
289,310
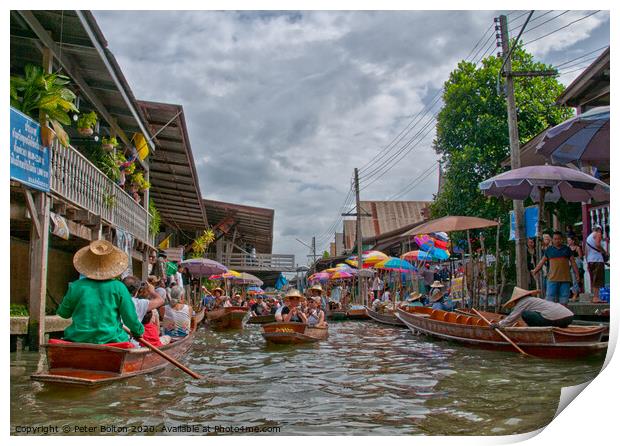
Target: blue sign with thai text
30,161
531,222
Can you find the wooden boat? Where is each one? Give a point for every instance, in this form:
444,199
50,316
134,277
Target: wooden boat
94,364
336,315
230,317
265,319
546,342
388,318
197,318
293,333
357,313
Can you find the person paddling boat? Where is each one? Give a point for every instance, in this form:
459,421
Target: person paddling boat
534,311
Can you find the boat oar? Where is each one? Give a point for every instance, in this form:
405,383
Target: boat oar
501,333
167,357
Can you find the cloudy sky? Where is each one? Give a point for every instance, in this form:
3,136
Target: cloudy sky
281,107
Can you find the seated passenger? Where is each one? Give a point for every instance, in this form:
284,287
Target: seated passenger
414,300
534,311
95,302
151,330
260,308
177,315
315,316
143,295
291,311
440,301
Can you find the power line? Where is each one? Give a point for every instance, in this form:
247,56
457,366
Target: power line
531,21
582,56
561,28
411,185
546,21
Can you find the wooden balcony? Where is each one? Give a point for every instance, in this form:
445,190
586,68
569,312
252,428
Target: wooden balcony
76,180
259,262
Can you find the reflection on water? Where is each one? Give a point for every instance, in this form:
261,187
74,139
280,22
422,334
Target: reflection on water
366,379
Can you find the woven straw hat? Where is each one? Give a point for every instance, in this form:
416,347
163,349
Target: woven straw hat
218,289
413,297
100,260
317,287
436,295
519,293
437,284
293,293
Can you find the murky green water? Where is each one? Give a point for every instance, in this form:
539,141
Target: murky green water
366,379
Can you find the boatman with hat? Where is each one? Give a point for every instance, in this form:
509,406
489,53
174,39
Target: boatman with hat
534,311
439,300
98,304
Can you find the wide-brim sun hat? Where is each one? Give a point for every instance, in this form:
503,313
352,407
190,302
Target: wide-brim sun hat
414,296
436,295
316,287
437,284
100,260
519,293
293,293
217,289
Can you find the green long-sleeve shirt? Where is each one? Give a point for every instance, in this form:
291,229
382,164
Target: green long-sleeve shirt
96,307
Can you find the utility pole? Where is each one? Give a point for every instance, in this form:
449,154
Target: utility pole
312,248
515,157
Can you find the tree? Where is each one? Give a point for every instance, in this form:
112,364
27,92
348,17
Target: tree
472,131
325,254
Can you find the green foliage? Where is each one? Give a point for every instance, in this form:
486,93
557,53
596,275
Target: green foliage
472,132
120,158
109,200
104,162
111,141
201,243
19,310
325,255
155,222
39,92
87,120
139,181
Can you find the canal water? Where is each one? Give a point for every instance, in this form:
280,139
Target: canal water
365,379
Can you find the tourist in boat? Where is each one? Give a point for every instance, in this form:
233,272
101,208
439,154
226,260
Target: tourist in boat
177,315
315,316
236,301
560,259
291,311
152,329
317,291
143,295
260,307
95,302
534,311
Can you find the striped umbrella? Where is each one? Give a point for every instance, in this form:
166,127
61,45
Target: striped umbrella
369,258
395,264
340,275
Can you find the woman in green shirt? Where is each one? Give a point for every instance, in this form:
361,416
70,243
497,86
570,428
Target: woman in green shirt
97,303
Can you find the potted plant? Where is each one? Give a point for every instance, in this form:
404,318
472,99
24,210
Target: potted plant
39,94
108,144
86,123
125,166
140,183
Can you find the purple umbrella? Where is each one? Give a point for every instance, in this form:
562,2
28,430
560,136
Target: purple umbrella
583,139
545,183
203,267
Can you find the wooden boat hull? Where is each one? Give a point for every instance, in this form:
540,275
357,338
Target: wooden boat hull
357,314
227,318
336,315
260,320
293,333
385,318
546,342
93,364
197,318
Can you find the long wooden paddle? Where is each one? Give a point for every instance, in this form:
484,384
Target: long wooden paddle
167,357
501,333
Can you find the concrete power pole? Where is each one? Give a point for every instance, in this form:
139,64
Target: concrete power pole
358,233
515,158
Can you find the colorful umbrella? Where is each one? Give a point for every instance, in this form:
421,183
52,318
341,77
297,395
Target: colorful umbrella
230,274
245,279
369,258
395,264
424,241
203,267
340,275
319,277
253,290
583,139
422,256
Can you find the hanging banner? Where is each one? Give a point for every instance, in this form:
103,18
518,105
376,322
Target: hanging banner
30,161
60,227
531,222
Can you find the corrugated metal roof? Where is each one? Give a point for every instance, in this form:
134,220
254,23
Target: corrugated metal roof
386,216
174,182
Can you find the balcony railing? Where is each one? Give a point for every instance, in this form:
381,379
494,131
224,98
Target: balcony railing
259,262
78,181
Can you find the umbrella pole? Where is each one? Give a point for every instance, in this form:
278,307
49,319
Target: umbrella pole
469,272
541,210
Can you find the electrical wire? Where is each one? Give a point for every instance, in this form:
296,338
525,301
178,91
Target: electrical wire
561,28
409,186
582,56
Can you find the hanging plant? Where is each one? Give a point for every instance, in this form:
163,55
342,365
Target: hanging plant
39,92
140,183
125,166
86,123
109,144
155,221
109,200
201,243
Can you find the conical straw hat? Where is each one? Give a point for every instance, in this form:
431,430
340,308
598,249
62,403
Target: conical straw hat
519,293
437,284
100,260
317,287
414,296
